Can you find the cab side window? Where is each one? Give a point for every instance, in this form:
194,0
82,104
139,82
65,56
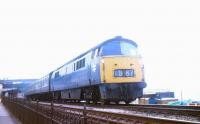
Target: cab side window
95,53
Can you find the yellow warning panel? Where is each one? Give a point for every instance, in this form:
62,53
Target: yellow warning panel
120,69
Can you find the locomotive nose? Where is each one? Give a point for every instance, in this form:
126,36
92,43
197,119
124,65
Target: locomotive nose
120,70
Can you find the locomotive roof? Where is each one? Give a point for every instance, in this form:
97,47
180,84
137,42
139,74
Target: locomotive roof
117,38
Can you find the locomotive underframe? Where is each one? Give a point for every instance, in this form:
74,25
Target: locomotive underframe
126,92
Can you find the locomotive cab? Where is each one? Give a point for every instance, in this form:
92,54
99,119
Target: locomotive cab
120,70
120,62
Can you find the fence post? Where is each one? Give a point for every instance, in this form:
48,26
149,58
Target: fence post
51,112
85,114
37,113
24,116
84,111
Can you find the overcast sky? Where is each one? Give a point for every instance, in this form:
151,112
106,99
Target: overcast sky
38,36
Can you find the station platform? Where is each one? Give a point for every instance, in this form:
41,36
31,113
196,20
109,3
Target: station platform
6,117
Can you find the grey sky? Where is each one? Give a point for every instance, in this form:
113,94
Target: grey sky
39,36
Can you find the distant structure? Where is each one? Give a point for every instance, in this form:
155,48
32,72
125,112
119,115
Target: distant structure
14,87
157,97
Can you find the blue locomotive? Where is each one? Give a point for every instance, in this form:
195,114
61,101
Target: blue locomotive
111,71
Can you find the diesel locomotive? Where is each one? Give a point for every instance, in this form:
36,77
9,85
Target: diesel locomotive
111,71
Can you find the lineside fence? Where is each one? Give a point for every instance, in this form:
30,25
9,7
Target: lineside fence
28,112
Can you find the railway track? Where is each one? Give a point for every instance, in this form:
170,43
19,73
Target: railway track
179,110
107,114
163,109
147,113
